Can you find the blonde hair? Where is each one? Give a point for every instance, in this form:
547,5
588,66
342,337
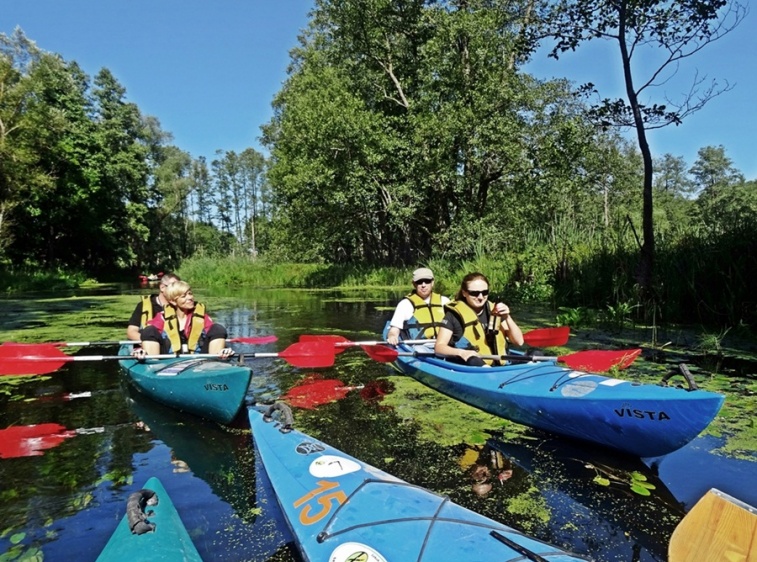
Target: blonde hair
177,289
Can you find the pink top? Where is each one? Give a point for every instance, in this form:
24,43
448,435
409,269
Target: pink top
159,321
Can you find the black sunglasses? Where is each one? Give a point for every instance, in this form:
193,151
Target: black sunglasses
424,281
485,293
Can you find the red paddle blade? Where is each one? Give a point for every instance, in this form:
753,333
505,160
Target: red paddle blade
313,393
31,440
256,340
309,354
600,360
381,353
30,359
547,337
329,339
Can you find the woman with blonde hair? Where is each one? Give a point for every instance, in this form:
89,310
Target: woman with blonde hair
183,327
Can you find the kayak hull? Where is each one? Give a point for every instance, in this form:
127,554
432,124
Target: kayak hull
208,388
640,419
169,542
341,509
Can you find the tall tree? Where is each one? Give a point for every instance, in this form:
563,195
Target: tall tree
725,200
672,176
714,169
665,31
400,131
119,203
252,170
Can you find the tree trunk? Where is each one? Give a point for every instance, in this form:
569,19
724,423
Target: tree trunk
645,270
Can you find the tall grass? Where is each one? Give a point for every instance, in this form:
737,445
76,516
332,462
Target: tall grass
32,279
242,271
701,278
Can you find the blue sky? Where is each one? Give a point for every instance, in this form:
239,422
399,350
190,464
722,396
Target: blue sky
209,70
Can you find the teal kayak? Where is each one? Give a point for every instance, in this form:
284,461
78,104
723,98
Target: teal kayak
341,509
209,388
165,539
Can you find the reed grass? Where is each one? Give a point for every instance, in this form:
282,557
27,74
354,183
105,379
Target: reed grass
700,278
33,279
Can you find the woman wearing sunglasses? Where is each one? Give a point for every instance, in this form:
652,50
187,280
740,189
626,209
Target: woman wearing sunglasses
473,326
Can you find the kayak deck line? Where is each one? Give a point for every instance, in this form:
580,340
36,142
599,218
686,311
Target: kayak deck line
326,534
495,533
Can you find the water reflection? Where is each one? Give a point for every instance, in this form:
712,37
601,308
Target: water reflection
601,495
70,499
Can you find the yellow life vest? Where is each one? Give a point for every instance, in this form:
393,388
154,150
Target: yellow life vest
427,316
173,333
474,332
146,310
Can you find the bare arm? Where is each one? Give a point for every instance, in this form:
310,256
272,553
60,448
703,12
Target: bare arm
151,347
132,332
393,335
509,326
442,346
512,331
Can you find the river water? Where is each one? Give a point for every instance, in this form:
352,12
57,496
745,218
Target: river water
63,504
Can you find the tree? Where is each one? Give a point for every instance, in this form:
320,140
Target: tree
405,128
714,169
671,176
725,201
669,31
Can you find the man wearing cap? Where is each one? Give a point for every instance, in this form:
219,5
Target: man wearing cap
419,314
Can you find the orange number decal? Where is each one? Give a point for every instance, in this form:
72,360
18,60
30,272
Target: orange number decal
325,501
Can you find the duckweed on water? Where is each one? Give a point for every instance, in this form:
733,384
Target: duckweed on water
530,506
442,419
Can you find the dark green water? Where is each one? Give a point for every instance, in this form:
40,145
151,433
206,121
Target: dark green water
65,503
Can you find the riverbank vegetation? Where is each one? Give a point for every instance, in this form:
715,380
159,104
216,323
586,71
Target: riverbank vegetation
406,134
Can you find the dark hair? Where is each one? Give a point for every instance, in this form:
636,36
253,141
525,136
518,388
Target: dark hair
467,280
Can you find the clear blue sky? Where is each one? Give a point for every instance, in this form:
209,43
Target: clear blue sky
208,70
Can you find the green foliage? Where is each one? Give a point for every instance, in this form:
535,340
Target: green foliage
576,317
712,343
26,279
663,35
619,313
406,135
400,136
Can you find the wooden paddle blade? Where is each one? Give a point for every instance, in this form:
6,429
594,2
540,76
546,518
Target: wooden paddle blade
547,337
256,340
30,359
309,354
600,360
381,353
718,527
328,339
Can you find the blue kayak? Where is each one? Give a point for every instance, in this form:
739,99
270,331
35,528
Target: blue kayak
168,541
341,509
640,419
209,388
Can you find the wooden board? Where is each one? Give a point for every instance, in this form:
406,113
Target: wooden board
719,528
